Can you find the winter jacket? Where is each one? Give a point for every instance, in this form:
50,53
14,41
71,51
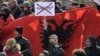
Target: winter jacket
94,50
24,44
53,51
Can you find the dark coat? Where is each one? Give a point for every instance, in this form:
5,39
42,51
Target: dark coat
53,51
24,43
26,52
93,50
15,11
24,13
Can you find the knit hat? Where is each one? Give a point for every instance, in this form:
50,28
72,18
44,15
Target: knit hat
19,30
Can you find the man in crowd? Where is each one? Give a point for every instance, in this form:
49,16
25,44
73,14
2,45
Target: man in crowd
26,9
91,47
23,42
14,8
51,43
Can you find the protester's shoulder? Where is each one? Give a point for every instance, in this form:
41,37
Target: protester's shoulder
25,39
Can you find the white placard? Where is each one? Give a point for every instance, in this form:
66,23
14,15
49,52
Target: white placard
44,8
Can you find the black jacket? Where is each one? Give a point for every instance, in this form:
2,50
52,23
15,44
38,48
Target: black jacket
53,51
24,13
24,44
93,50
15,11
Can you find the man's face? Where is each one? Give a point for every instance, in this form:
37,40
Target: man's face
12,3
25,8
88,43
16,33
54,40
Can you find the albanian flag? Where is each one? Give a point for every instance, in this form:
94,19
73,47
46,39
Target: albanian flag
72,27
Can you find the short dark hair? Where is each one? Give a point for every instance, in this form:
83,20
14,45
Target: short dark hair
75,4
19,29
79,52
82,5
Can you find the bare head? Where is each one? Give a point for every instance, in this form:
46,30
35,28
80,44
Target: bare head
53,39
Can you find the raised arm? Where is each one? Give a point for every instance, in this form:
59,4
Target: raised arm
46,36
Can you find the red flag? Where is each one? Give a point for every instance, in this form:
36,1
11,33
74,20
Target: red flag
89,25
85,21
6,33
31,31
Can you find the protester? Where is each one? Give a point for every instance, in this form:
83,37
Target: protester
4,21
91,47
14,8
12,48
58,7
21,40
51,43
26,9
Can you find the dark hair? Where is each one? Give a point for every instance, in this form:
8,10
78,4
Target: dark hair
7,13
19,29
75,4
92,39
82,5
79,52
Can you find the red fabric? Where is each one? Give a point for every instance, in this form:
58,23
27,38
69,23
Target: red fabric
1,24
29,32
14,54
88,23
7,32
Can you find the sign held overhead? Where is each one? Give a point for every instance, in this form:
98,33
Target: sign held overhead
44,8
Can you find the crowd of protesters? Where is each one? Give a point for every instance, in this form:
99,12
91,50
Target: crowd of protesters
20,46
